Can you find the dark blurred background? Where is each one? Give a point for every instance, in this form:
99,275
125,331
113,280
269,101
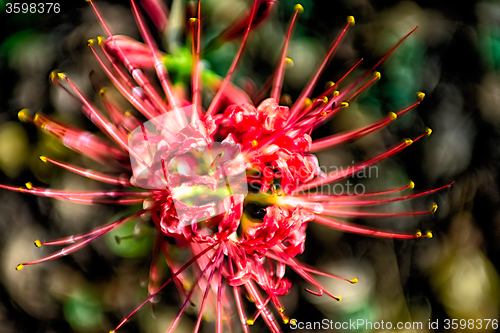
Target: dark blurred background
454,57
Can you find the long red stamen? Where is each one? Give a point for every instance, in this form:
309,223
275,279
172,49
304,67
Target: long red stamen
214,105
336,175
336,84
78,246
312,82
81,141
139,104
268,141
97,116
74,239
195,83
100,19
205,296
115,115
328,91
161,70
101,202
110,34
310,117
257,313
87,172
280,251
341,138
46,192
321,197
263,10
353,85
307,268
98,119
210,264
384,201
366,85
218,320
344,213
347,227
266,315
114,63
361,78
237,297
80,197
179,271
278,79
142,79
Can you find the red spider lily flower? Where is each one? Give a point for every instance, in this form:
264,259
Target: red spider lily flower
201,173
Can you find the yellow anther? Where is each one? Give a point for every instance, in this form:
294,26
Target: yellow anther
35,118
428,131
23,115
411,186
127,114
29,185
193,20
298,8
110,331
53,76
38,243
102,91
293,322
421,95
324,113
418,234
61,75
353,281
289,62
336,93
434,208
100,40
250,322
344,104
250,298
377,75
429,234
19,267
339,298
408,142
90,42
43,159
393,116
329,84
281,310
285,320
255,143
351,20
307,102
325,99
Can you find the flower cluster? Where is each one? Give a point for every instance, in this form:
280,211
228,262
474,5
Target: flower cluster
230,183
